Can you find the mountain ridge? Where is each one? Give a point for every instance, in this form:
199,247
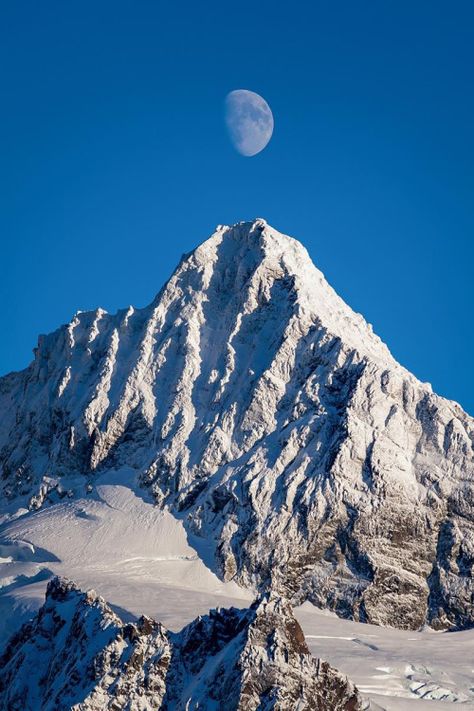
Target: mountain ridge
77,653
259,408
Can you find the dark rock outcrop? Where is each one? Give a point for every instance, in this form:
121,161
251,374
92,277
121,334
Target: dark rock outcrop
77,654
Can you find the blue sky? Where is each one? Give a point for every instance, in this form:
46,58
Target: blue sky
114,158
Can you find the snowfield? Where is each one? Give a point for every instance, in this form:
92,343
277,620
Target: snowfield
114,541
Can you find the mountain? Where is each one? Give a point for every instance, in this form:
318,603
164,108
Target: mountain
77,654
264,413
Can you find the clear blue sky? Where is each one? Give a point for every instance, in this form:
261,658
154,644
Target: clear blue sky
114,158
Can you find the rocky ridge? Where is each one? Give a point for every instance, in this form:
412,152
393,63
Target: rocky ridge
267,415
77,654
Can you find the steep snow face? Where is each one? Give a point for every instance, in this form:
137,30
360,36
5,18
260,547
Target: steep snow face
267,415
76,653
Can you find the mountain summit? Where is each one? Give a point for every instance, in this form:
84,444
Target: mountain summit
262,411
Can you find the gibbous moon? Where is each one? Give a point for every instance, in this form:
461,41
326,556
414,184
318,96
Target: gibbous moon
249,121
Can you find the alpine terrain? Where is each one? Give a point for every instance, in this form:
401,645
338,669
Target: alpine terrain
263,417
78,654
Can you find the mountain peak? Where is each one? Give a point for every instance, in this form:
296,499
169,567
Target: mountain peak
250,257
251,397
248,236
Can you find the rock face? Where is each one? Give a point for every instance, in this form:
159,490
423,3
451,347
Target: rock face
77,654
257,406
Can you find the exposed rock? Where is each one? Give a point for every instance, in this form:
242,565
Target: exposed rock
259,407
77,654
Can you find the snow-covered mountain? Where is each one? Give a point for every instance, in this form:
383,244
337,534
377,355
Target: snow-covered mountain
77,654
264,413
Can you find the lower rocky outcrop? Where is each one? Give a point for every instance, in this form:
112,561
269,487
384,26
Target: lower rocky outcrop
78,654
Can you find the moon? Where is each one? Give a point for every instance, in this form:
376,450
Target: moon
249,121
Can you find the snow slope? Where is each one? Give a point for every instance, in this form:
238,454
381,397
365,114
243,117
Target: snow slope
113,540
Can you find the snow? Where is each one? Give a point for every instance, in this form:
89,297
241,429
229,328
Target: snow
398,669
136,555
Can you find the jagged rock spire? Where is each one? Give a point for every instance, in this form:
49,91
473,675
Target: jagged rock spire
77,654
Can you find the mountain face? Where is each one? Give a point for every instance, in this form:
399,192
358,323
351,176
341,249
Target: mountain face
262,411
77,654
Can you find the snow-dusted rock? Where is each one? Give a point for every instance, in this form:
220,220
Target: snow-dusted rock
77,654
264,412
